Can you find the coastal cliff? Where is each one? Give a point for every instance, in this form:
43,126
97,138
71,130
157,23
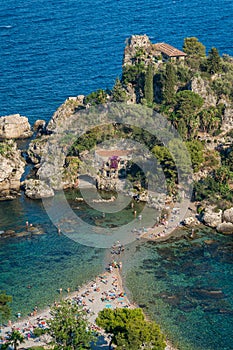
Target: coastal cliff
14,127
11,169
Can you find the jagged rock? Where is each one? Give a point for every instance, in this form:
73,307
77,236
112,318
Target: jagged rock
144,196
14,127
201,174
131,95
7,233
228,215
36,149
190,221
39,124
11,168
134,43
36,189
212,217
202,88
67,109
227,123
225,227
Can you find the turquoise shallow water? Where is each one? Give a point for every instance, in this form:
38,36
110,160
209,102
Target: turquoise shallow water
186,286
49,261
46,263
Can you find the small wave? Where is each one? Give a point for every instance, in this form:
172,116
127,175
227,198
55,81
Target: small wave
5,27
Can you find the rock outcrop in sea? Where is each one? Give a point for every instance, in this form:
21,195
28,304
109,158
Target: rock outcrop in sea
221,220
15,127
37,189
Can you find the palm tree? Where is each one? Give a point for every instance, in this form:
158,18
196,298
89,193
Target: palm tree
15,339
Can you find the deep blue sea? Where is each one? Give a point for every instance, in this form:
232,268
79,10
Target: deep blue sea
53,49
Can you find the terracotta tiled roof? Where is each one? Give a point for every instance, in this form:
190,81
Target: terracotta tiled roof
110,153
169,50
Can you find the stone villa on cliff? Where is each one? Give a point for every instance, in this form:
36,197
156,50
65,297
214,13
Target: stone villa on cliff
140,47
113,163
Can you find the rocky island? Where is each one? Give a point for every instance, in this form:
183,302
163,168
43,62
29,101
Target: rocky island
192,90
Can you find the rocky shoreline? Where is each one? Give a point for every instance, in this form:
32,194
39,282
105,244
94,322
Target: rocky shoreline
12,167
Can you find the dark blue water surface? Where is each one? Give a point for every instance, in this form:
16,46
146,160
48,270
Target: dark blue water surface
53,49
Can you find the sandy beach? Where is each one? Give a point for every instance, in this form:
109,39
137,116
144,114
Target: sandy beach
105,291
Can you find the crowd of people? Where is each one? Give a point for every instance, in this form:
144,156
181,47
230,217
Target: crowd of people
103,292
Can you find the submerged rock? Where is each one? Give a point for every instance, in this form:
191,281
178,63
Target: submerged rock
7,233
225,227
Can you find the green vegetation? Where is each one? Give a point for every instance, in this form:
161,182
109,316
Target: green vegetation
129,329
214,61
69,327
196,150
186,109
169,79
5,310
192,94
6,147
215,186
15,339
118,92
96,98
39,331
194,48
148,88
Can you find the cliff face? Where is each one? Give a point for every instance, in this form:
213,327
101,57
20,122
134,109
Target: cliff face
202,88
14,127
227,122
64,111
138,47
11,168
50,154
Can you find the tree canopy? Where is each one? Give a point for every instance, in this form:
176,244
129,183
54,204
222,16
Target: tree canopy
129,329
169,81
69,327
15,339
149,87
118,92
5,310
214,61
194,48
96,97
188,103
